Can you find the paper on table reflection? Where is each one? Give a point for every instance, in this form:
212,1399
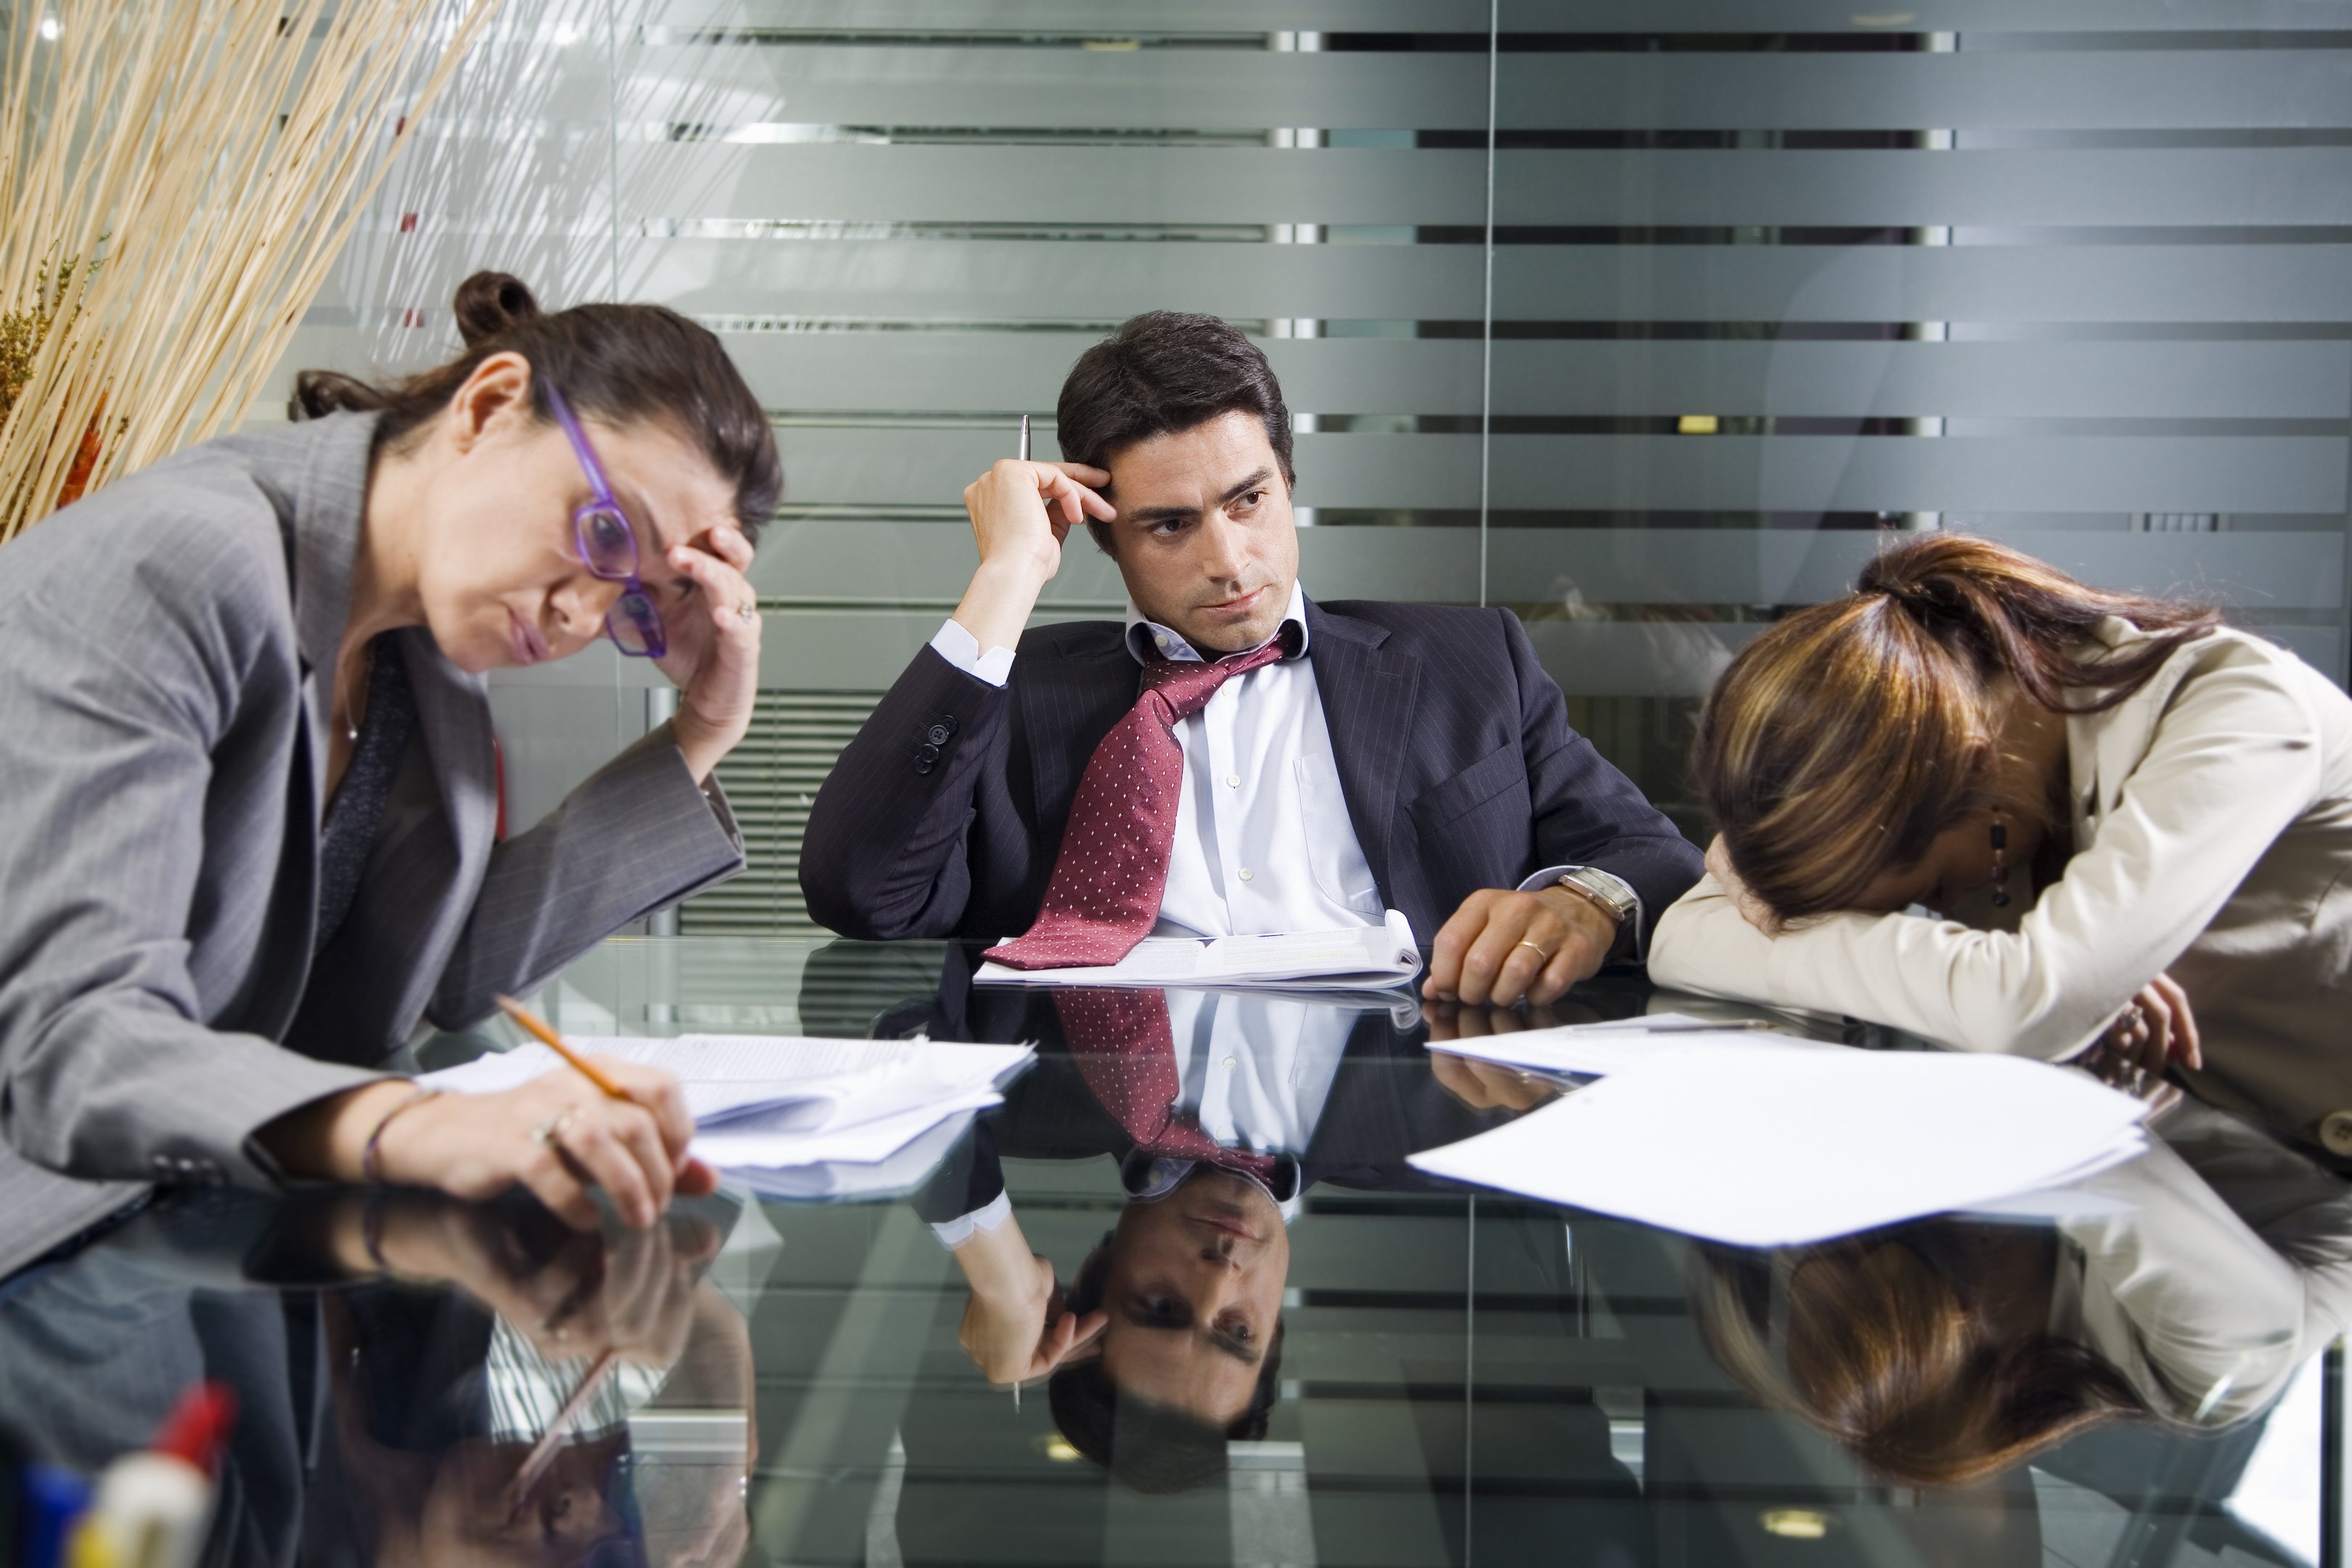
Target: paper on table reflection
1766,1145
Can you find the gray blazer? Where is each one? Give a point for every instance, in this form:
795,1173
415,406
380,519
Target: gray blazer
166,650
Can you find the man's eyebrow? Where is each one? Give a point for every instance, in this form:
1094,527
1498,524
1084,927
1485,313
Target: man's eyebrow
1150,514
1233,1348
1257,482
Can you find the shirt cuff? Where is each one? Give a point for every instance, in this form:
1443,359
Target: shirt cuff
986,1221
961,648
1550,877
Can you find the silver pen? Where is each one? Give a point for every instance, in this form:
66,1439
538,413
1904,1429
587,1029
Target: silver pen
1022,452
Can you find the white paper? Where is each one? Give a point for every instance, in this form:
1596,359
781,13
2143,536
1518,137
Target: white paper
788,1093
1594,1049
741,1145
900,1173
1769,1147
1359,958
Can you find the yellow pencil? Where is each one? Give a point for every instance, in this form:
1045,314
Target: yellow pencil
554,1042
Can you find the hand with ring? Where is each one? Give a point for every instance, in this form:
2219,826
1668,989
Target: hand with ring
2155,1029
1502,947
714,647
557,1135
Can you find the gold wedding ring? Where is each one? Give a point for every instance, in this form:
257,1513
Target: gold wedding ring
1540,953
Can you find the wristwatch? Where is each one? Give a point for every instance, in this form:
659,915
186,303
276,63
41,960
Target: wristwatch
1615,900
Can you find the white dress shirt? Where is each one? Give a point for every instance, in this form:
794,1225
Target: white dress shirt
1263,842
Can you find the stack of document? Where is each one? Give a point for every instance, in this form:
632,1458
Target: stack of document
1592,1050
798,1117
1363,958
1774,1144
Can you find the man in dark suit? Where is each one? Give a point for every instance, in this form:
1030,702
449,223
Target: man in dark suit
1272,763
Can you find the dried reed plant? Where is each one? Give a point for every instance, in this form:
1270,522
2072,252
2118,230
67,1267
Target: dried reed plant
209,157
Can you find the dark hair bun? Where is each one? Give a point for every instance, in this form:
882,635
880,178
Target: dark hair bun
489,303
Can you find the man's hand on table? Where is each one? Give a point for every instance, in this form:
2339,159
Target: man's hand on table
1503,947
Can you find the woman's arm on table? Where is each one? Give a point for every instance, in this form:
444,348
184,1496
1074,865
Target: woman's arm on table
2234,761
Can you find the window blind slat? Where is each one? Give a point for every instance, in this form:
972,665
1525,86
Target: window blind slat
1781,473
1898,474
1225,89
1922,283
1801,566
1015,372
2019,187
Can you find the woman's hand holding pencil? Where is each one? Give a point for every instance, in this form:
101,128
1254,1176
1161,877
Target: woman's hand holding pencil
611,1124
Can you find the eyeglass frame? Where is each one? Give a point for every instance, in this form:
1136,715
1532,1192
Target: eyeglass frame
634,601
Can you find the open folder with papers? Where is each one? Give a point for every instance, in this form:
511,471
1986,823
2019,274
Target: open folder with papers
768,1102
1364,958
1764,1147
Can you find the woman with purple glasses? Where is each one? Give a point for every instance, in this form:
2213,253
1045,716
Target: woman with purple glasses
248,789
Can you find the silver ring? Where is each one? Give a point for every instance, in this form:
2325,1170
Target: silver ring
1540,953
747,612
546,1133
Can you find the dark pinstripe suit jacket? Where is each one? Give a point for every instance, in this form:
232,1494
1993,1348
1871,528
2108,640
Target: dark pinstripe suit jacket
1454,756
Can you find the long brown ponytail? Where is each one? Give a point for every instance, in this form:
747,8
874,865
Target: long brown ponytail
623,365
1839,743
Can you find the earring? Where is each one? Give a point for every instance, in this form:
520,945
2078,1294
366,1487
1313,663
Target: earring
1999,865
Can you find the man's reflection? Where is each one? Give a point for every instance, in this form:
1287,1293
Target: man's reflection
1222,1111
2184,1289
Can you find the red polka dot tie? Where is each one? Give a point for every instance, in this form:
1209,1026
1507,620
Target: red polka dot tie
1104,896
1127,1053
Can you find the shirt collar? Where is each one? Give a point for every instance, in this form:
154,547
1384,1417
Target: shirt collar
1148,641
1148,1178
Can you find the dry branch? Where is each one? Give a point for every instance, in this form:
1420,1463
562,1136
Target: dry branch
211,157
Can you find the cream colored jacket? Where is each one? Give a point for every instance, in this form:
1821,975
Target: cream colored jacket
2213,821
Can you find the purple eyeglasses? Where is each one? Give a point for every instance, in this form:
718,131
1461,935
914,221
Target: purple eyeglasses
608,545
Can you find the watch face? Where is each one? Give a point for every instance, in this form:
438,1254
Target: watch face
1597,889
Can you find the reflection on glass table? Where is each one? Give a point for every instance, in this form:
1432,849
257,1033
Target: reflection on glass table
1248,1331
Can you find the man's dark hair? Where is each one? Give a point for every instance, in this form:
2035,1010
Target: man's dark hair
1163,372
1149,1447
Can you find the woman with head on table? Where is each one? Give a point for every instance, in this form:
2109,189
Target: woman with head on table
1977,800
248,788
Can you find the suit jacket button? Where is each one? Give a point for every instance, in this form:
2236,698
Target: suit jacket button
2336,1132
926,754
943,726
936,735
924,765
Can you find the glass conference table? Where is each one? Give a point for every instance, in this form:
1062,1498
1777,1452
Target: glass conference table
1459,1377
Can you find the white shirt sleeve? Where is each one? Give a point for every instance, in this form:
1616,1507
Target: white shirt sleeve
961,648
1551,875
2235,759
984,1221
